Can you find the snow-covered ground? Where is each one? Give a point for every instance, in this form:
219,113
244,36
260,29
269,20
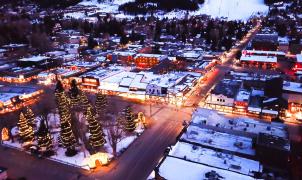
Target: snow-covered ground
81,159
216,159
218,140
177,169
239,123
232,9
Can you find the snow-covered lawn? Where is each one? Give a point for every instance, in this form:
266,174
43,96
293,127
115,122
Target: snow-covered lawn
81,159
223,141
239,123
215,159
177,169
123,144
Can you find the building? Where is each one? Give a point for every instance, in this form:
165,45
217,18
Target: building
218,146
170,88
148,60
123,57
46,78
242,100
92,80
298,65
265,42
15,97
156,90
292,93
19,74
179,169
264,59
223,95
3,53
268,147
42,62
283,44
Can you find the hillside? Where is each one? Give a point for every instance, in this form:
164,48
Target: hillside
165,9
147,6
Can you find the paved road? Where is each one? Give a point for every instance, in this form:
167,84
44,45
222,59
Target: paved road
219,71
139,159
142,156
136,163
20,164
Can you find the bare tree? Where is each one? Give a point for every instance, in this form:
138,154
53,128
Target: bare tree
115,134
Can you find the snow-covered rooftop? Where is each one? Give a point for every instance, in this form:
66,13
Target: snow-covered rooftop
178,169
243,96
160,56
219,140
4,97
238,123
215,159
299,58
34,59
267,53
292,87
266,59
124,53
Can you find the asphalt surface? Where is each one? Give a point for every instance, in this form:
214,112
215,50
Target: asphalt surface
140,158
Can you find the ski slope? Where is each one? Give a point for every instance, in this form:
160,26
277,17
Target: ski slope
228,9
232,9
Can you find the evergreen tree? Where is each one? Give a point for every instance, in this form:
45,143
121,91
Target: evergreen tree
30,117
96,138
129,123
44,138
91,42
26,132
101,104
124,40
85,102
74,93
67,137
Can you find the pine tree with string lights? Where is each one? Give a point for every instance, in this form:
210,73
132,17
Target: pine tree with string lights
74,93
85,102
30,116
67,138
101,104
129,123
96,138
26,132
44,138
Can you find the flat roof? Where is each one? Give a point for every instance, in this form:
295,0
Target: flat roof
4,97
266,52
18,89
178,169
218,140
215,159
238,123
124,53
227,88
299,58
258,58
34,58
243,95
272,141
292,86
151,55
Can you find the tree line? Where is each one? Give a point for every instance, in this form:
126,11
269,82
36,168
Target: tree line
149,6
